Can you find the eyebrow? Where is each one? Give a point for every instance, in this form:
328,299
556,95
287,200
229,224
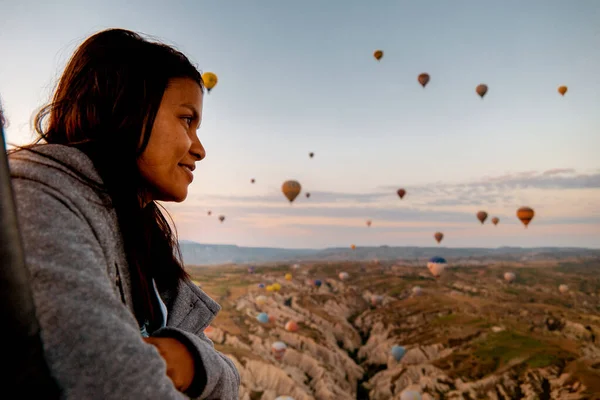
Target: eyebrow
192,109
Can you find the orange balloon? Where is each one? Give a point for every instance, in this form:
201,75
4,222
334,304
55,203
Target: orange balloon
438,236
423,79
353,247
291,326
369,222
562,90
401,193
378,54
482,216
525,214
291,189
481,90
495,220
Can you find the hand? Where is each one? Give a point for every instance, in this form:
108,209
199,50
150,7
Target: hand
180,363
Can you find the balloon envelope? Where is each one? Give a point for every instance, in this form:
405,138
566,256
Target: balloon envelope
495,220
481,90
344,275
288,277
436,266
291,189
291,326
398,352
417,291
210,80
525,214
482,216
378,54
260,300
221,218
562,90
509,277
563,288
401,193
423,79
263,318
438,236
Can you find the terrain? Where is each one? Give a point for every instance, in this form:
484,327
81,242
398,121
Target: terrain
468,335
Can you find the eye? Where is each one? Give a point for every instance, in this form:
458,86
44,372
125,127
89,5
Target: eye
188,120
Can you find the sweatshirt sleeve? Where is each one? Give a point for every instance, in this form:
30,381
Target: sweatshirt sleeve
216,376
91,340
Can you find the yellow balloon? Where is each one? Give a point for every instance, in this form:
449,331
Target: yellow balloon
291,189
210,80
276,287
288,277
270,288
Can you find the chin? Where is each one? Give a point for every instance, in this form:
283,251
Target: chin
174,197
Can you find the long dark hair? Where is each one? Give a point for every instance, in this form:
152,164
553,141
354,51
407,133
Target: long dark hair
105,105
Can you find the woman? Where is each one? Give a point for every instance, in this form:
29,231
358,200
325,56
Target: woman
119,315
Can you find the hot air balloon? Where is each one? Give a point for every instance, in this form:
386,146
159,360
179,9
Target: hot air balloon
376,299
417,291
288,277
261,300
221,218
368,222
495,220
525,214
284,398
272,318
410,395
509,277
398,352
291,189
291,326
250,269
563,288
481,90
423,79
482,216
317,283
263,318
311,154
344,276
276,287
210,80
401,193
209,213
353,247
436,266
378,54
438,236
562,90
307,195
270,288
252,180
278,349
296,266
261,285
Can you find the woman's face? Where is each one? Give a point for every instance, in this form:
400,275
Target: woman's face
168,160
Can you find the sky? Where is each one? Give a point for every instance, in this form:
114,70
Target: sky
299,76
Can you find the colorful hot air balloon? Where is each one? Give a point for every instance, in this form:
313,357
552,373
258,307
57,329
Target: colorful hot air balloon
317,282
401,193
378,54
438,236
344,276
307,195
311,154
417,291
563,288
252,180
398,352
210,80
482,216
288,277
525,214
221,218
368,222
291,326
261,300
509,277
278,349
276,287
353,247
481,90
423,79
263,318
270,288
291,189
261,286
562,90
436,266
495,220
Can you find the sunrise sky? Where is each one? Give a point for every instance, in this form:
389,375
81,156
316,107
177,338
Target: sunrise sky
299,76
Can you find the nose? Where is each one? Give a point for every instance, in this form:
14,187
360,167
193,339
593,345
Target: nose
197,150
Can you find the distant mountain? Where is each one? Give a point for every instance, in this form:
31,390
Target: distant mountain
210,254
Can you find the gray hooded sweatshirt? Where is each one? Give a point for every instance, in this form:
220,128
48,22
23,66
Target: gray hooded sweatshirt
82,290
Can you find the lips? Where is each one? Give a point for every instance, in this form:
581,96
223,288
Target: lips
188,171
